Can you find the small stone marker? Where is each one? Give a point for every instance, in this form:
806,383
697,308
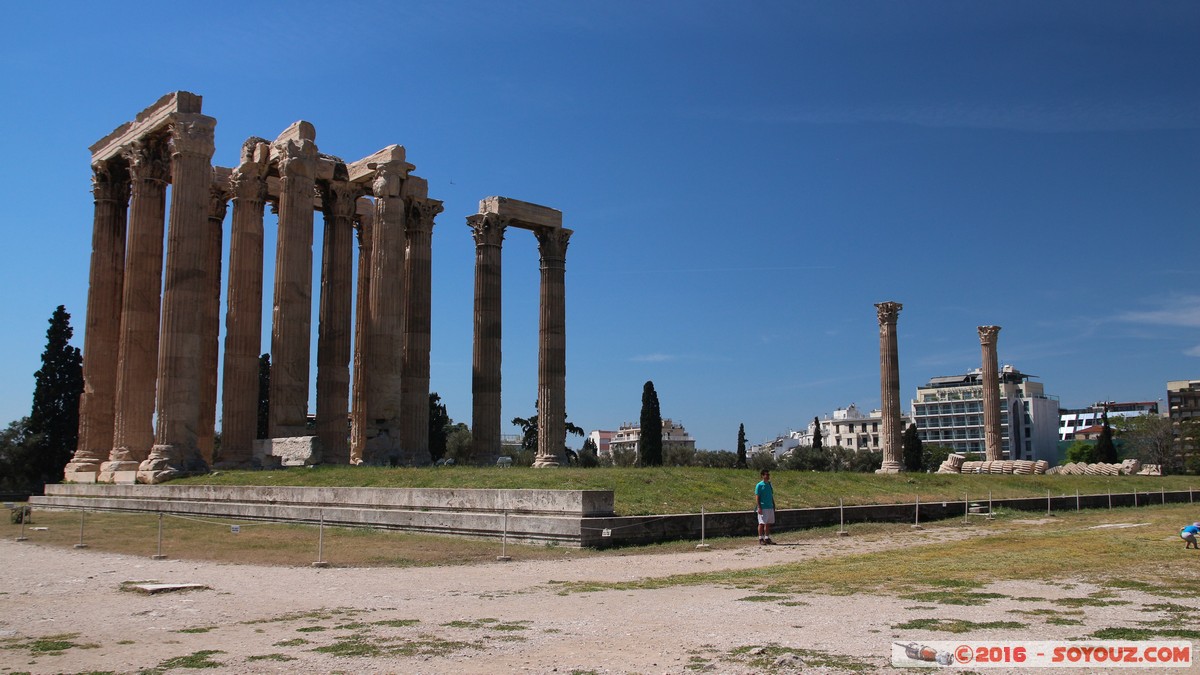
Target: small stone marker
151,589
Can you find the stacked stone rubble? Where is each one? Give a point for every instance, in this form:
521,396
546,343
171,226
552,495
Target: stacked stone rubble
956,463
1128,467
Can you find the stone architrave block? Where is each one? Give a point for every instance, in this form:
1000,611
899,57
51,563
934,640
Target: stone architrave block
291,451
521,214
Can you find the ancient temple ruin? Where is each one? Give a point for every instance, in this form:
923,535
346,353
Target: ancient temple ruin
148,412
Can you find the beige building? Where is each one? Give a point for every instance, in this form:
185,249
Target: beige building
849,428
628,438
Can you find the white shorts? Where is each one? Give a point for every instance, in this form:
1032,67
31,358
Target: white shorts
766,517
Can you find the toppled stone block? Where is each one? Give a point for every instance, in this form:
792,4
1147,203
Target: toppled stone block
291,451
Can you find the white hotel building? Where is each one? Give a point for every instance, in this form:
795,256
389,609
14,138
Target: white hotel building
948,411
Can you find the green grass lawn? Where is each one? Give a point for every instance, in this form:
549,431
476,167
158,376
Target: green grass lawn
664,490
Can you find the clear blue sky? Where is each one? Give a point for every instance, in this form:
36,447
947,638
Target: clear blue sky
745,180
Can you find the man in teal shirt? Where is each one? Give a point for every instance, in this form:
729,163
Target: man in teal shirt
764,503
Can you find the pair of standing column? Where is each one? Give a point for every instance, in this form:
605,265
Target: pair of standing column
488,230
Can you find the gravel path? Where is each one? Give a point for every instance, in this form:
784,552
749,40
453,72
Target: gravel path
491,618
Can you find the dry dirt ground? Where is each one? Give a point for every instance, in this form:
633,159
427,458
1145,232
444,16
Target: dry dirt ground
502,617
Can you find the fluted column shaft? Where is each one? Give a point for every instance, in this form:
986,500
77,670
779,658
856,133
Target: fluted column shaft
414,419
889,380
185,291
358,399
488,231
385,339
333,332
243,313
137,353
291,324
110,187
210,345
552,348
993,449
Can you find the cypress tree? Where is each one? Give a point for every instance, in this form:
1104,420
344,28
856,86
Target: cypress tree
264,395
741,446
912,449
1106,450
439,424
651,428
818,442
55,414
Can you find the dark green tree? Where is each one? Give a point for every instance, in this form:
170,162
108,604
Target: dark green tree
439,426
54,418
18,447
935,454
651,452
1082,451
529,428
911,447
458,443
1106,450
808,458
589,456
741,446
818,442
264,396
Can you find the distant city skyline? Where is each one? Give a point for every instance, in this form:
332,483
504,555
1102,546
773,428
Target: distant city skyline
744,181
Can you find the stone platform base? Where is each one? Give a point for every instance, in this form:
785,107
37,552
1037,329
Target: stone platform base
563,517
533,516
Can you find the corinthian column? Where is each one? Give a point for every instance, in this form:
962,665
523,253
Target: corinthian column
338,199
137,352
210,345
488,230
385,338
243,313
991,393
889,383
292,316
358,404
110,187
185,291
552,348
414,421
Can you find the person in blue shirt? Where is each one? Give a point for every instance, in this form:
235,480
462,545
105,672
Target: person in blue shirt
1188,534
764,505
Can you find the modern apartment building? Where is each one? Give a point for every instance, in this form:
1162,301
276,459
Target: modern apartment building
1071,420
948,411
1183,404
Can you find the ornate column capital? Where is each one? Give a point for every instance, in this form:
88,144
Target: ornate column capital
552,243
389,179
487,229
421,213
339,198
888,312
218,199
987,335
192,134
297,159
249,180
148,160
110,181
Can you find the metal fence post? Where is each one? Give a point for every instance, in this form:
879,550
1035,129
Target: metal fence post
159,555
81,544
